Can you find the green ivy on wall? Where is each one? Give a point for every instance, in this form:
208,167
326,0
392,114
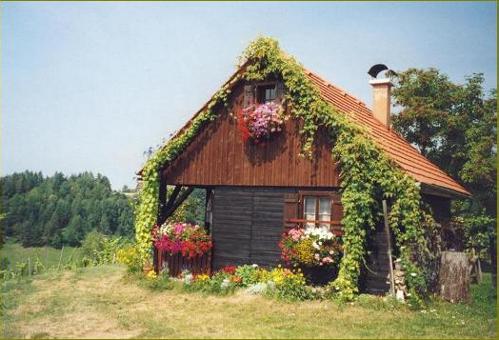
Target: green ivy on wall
366,172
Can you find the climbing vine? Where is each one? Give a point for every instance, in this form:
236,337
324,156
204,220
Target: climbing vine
146,210
366,172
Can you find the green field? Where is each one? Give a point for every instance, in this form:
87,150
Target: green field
48,256
101,302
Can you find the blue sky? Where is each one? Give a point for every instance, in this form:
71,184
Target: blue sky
89,86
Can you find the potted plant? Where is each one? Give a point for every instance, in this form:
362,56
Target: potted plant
316,251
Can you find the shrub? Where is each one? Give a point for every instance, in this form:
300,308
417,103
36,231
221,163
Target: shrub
288,285
129,255
99,249
249,274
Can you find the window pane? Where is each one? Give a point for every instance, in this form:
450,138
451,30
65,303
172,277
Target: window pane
309,210
270,94
324,211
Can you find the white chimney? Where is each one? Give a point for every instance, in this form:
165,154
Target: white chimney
381,100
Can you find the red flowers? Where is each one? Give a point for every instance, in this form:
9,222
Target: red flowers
187,239
229,269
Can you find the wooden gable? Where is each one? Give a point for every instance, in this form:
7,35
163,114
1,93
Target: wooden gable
219,156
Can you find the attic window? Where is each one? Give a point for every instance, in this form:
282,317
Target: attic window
266,93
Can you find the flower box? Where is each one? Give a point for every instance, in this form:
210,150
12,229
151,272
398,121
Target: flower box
259,122
182,246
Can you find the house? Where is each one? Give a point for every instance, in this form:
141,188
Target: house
257,189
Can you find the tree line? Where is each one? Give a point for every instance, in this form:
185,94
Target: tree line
60,210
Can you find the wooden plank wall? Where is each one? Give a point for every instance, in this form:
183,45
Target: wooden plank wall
247,226
218,156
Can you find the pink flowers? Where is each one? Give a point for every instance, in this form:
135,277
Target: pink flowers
295,234
190,240
261,121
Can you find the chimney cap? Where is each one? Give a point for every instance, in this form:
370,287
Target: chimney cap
383,81
376,69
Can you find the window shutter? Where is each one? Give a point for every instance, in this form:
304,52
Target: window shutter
291,209
337,208
249,96
280,92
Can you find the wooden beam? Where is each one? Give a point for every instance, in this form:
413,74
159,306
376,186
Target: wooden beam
173,197
178,202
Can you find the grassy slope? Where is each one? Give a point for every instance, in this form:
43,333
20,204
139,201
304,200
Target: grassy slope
47,255
99,302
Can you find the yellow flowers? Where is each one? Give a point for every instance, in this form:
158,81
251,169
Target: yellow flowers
305,251
202,277
281,275
151,275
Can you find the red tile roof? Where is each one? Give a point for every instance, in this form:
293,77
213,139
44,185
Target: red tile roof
396,147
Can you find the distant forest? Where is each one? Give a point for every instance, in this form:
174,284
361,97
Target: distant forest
59,210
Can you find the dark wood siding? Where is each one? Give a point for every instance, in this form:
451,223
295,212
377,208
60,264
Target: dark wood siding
218,156
247,226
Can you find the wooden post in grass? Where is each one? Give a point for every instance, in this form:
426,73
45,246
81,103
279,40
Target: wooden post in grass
29,266
389,248
60,258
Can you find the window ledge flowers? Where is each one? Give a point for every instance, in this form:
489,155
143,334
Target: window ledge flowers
310,247
187,239
259,122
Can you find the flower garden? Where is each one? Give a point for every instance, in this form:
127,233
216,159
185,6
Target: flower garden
310,258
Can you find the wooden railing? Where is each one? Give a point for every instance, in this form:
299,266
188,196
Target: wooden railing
178,263
335,226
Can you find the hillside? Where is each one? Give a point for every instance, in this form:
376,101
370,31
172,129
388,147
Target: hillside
59,210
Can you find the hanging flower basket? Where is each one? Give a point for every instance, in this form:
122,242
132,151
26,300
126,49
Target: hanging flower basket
260,122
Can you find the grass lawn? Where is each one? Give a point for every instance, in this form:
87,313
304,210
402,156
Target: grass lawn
48,256
99,302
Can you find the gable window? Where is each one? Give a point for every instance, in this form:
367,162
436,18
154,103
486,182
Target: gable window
266,93
317,210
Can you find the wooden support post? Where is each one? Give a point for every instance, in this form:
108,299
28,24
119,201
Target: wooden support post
389,246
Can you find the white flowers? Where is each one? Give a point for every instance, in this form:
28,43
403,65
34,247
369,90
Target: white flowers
225,284
316,246
188,277
414,274
254,265
322,234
